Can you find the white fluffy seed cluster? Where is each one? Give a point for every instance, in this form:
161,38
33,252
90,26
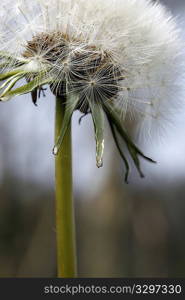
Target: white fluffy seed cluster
140,38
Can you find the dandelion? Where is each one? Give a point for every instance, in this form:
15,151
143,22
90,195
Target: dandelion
113,59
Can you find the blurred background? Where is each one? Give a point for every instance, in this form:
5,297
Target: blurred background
134,230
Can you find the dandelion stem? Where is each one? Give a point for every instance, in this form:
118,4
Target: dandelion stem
65,226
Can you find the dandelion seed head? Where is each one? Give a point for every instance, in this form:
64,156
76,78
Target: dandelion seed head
71,35
126,53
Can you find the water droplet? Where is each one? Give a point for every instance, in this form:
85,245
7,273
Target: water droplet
99,163
55,150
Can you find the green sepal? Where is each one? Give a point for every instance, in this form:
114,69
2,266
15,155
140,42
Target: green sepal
9,74
132,148
27,88
9,84
98,120
5,83
70,106
114,133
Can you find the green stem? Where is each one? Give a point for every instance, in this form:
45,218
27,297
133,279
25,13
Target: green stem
65,226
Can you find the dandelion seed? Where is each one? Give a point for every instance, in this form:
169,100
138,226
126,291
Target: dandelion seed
109,58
